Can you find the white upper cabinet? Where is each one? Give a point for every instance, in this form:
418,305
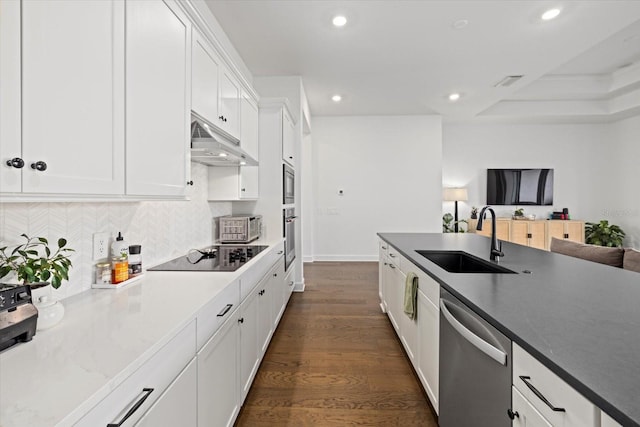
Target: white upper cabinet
229,117
72,67
288,139
215,90
249,175
158,98
204,72
10,139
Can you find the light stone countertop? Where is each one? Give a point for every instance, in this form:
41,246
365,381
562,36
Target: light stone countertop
105,335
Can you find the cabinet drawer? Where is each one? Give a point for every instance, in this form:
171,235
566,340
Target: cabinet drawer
428,286
578,411
157,373
527,416
394,257
215,312
258,269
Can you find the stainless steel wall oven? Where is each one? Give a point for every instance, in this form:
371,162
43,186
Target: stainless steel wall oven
289,227
288,185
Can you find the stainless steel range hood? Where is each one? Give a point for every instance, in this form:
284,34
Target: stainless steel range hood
213,147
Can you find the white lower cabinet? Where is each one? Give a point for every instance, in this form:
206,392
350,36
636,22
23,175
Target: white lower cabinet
177,405
265,317
536,382
150,389
280,294
249,356
607,421
523,412
420,336
428,346
218,376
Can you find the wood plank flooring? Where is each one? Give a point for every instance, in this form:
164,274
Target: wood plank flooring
335,359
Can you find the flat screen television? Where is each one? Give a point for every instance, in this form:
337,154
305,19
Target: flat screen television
520,187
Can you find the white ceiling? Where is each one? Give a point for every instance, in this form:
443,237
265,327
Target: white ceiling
399,57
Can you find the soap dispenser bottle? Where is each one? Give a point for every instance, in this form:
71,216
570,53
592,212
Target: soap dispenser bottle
119,247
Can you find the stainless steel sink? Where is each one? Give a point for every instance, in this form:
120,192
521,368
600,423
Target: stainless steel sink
462,262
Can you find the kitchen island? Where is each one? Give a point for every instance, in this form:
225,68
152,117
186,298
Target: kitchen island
578,318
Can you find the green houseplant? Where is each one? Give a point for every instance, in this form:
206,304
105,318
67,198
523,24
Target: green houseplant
35,262
603,234
448,224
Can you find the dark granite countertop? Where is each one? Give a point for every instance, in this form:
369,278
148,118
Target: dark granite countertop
580,319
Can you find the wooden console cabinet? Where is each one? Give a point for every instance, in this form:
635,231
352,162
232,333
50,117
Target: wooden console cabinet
536,234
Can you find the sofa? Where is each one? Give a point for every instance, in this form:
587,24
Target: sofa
627,258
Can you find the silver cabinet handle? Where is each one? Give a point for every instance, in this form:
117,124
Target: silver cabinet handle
280,252
225,310
392,255
291,283
143,396
384,247
491,351
392,266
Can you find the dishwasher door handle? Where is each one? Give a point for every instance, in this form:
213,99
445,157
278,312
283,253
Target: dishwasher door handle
488,349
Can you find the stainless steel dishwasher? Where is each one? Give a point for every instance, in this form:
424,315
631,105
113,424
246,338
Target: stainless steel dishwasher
475,369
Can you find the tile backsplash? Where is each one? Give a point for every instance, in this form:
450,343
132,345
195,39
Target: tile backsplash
165,229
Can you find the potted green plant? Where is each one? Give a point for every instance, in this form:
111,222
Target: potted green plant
35,263
448,224
518,213
603,234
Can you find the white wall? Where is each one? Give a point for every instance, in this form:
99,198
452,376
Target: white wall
390,169
578,153
164,229
620,164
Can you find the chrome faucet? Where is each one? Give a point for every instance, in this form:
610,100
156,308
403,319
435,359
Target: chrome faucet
496,250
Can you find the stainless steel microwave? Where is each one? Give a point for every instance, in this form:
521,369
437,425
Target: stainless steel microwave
288,185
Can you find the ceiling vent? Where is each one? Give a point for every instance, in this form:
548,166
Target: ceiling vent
508,81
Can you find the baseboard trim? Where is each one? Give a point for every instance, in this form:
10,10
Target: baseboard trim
299,287
308,258
345,258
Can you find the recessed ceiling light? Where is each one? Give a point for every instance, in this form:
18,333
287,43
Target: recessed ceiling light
222,155
243,163
336,98
339,21
460,23
454,97
550,14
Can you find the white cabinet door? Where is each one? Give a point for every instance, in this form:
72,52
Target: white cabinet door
249,182
72,97
158,98
249,175
204,85
607,421
392,295
177,405
229,107
218,376
288,139
527,416
265,322
10,137
278,292
428,347
249,351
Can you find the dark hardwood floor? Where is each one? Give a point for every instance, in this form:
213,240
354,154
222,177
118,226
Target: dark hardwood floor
335,359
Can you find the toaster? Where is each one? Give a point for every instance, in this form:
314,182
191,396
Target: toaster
239,229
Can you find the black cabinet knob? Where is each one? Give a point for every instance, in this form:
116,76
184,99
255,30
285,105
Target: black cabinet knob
513,414
189,182
241,320
16,162
244,189
39,165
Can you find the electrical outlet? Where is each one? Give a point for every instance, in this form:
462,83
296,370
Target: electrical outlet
100,246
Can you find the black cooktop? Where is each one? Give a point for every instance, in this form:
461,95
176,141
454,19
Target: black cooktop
212,258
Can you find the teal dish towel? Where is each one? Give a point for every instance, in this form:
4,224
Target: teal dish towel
411,295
